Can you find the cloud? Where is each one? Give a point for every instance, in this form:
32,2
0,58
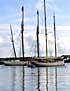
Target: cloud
63,28
50,6
64,42
1,41
15,27
30,39
30,30
39,5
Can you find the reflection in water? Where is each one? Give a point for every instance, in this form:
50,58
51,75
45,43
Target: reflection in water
11,78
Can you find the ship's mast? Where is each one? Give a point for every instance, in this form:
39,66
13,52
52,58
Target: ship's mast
13,68
22,39
22,30
46,45
12,41
45,29
37,33
38,48
55,52
55,36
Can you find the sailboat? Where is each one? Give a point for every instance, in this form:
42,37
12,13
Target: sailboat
32,61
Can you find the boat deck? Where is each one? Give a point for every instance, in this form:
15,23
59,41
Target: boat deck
32,63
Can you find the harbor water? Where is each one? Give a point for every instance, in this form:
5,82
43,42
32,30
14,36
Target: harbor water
11,78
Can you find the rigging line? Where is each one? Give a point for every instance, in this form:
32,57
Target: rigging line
19,40
21,2
10,52
18,36
20,47
34,49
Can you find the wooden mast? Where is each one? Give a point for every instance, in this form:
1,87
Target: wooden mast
22,39
45,30
13,68
12,41
37,33
46,45
55,36
22,30
38,48
55,52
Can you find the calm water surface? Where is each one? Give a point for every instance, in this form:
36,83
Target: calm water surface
11,78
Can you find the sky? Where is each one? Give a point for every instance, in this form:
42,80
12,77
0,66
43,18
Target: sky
10,13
